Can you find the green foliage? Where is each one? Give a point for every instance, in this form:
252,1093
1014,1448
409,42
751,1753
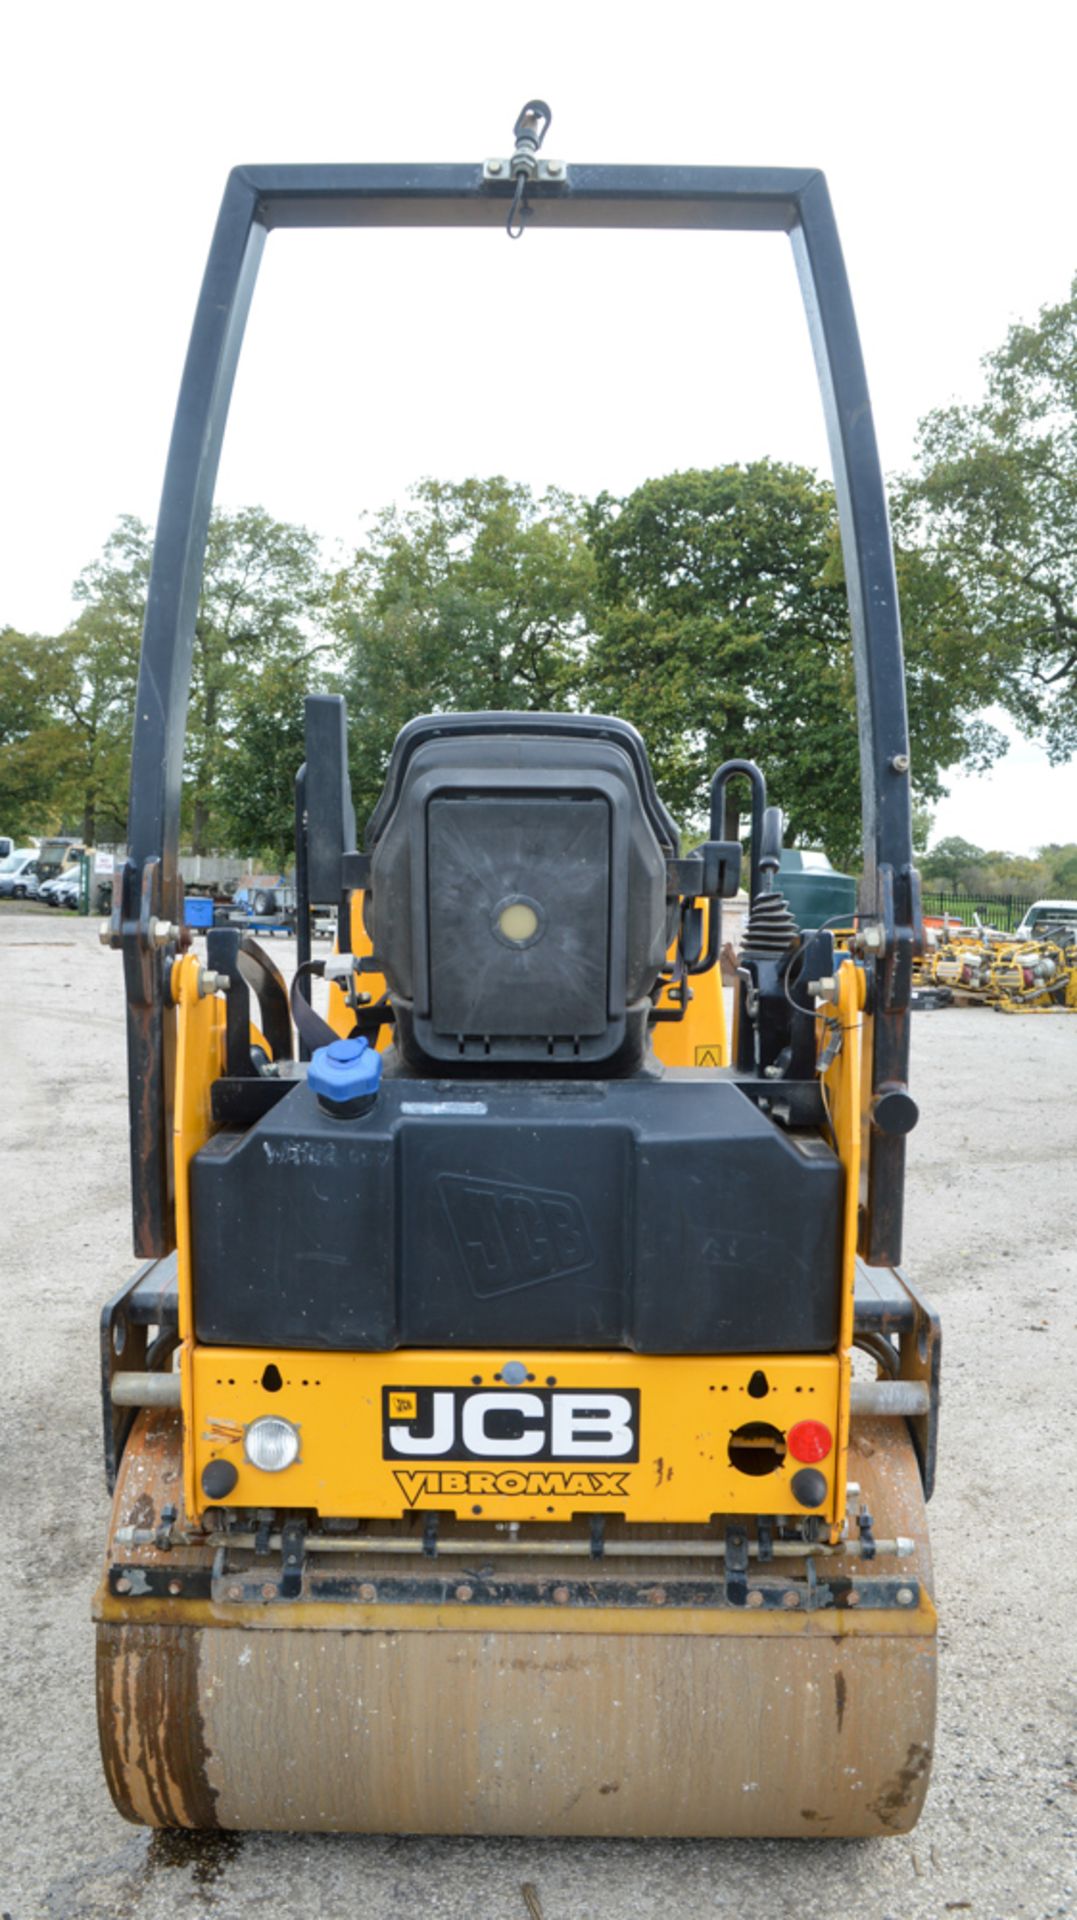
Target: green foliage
994,503
947,682
96,698
33,739
723,630
259,618
922,819
70,765
254,792
707,607
956,865
720,633
475,596
67,704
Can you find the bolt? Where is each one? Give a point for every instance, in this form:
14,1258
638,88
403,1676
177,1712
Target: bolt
560,1595
852,1598
493,166
175,1586
123,1585
555,168
871,939
368,1592
790,1599
162,932
269,1591
210,982
657,1596
104,933
464,1593
755,1598
899,762
824,989
234,1593
905,1596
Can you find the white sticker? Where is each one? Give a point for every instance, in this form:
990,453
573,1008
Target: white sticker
443,1106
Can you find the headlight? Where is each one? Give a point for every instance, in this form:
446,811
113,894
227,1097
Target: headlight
271,1444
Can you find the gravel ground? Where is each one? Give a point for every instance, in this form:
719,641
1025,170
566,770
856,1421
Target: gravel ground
991,1235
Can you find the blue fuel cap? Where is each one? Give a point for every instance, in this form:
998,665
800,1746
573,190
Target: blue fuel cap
344,1073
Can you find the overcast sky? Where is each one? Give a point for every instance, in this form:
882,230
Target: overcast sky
589,361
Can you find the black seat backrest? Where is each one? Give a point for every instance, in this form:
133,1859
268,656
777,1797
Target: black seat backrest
517,899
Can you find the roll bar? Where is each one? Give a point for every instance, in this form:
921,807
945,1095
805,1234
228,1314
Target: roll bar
702,199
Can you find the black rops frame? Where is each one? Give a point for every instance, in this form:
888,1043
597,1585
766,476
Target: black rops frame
257,199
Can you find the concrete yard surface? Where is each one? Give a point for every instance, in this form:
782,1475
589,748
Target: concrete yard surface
991,1237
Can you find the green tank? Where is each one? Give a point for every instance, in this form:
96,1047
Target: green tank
814,891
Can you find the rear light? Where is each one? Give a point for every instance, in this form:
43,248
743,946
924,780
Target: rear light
271,1444
809,1441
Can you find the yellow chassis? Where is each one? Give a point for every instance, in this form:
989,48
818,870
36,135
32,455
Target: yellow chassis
343,1405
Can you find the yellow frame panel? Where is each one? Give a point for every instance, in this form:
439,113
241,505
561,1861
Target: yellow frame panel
688,1407
700,1039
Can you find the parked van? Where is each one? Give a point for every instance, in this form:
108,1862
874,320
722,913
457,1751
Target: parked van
18,874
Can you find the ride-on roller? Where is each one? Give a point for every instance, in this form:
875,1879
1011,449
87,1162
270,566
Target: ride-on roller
519,1423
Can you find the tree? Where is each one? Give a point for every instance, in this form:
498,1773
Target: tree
719,635
723,631
33,740
947,682
70,700
263,598
994,503
256,628
96,698
254,793
474,596
955,865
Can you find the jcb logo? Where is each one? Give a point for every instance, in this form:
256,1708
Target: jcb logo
462,1423
509,1237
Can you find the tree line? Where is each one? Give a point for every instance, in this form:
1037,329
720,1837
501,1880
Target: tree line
959,866
707,606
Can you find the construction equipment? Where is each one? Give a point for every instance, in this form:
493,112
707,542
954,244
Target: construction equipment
489,1451
1003,971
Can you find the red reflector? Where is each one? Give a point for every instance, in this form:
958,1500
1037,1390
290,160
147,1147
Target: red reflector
809,1440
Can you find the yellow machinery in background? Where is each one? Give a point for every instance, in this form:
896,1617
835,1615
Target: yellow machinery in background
1011,975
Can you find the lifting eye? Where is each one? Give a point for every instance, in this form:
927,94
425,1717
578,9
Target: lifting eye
756,1448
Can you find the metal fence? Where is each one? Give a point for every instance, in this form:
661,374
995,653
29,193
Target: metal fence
1001,910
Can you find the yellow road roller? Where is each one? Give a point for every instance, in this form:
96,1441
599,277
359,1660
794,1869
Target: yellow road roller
519,1422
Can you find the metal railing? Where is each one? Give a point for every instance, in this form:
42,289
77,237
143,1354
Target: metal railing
1001,910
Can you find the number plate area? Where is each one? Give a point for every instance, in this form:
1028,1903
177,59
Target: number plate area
520,1437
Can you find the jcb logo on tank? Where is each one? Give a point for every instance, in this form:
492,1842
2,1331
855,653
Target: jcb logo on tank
514,1236
467,1423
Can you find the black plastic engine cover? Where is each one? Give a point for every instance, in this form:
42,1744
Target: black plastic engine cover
665,1214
